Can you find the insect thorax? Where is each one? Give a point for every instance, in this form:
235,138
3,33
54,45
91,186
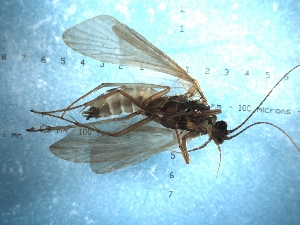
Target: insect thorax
179,113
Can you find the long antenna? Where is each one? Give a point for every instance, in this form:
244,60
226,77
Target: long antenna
271,124
230,131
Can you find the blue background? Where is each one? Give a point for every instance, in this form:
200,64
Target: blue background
259,179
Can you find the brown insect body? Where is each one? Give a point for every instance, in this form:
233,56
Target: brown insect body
174,112
179,113
170,111
183,116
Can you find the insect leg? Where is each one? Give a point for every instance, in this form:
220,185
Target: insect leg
184,153
92,124
93,128
83,96
142,85
60,110
70,106
220,151
202,146
104,96
132,127
157,95
100,99
122,132
111,85
182,144
119,133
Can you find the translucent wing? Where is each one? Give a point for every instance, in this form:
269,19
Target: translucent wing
106,39
106,154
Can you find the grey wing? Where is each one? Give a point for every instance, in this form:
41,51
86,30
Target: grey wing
106,39
106,154
113,154
75,147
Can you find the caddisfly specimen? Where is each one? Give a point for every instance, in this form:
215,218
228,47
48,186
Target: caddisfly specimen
140,107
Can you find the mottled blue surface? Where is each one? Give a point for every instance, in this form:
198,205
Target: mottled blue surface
259,179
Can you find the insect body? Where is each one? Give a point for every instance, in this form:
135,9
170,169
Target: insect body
139,109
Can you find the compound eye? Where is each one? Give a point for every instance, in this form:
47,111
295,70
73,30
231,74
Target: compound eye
222,125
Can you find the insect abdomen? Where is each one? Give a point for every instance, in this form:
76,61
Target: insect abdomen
117,103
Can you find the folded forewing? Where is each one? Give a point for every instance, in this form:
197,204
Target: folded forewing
106,39
106,153
77,145
109,153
